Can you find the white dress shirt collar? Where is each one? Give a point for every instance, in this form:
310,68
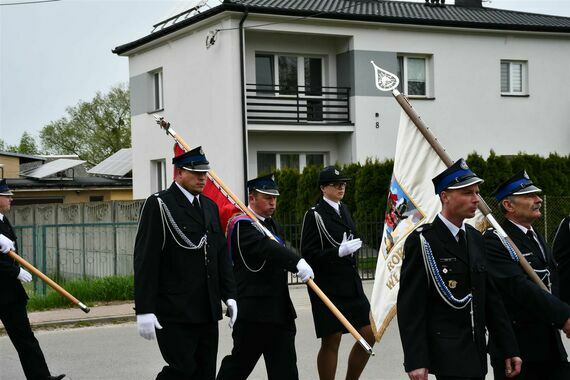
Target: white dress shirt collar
452,227
334,205
188,194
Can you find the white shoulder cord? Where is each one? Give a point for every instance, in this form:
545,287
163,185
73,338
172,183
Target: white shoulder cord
442,289
241,255
140,218
322,229
171,224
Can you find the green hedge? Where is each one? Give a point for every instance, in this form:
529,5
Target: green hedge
367,192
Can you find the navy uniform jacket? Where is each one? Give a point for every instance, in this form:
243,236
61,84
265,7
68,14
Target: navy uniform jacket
11,289
434,334
561,250
178,284
263,294
333,274
536,315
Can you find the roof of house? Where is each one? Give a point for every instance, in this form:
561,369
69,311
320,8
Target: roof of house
381,11
23,157
69,183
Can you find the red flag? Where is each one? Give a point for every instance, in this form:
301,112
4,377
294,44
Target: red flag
226,207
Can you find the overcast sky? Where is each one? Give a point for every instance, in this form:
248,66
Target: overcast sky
54,54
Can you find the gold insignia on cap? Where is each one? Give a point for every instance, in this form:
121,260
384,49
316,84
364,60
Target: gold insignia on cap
452,284
463,165
336,172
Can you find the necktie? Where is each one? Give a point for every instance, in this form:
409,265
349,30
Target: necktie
534,243
462,241
269,224
196,204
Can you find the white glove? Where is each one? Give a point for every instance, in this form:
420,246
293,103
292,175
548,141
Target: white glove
24,275
232,310
6,245
348,247
146,324
304,271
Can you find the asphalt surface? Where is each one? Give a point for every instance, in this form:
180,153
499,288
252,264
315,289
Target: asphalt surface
106,346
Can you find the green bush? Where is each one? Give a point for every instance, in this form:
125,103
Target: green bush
366,193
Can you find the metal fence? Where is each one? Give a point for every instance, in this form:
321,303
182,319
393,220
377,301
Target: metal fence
91,240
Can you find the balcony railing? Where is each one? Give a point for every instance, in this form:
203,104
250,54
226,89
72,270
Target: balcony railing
297,104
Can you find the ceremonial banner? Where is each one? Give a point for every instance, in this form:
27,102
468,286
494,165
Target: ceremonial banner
411,202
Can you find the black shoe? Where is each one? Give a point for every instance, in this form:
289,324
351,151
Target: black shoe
58,377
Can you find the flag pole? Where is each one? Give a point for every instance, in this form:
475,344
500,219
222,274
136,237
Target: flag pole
48,281
213,176
386,81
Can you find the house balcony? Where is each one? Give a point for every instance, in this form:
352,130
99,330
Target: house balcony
272,107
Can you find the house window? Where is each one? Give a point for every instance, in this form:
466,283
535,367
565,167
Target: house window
159,175
268,162
264,72
293,73
157,92
412,71
288,75
514,78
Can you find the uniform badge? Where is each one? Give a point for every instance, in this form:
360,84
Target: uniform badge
444,270
452,284
201,151
336,172
463,165
526,175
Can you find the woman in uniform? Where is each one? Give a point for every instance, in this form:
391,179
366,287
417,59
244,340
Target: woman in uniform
329,245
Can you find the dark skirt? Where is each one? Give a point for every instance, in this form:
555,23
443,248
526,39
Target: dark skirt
355,309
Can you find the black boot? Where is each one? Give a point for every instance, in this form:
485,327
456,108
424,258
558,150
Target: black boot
58,377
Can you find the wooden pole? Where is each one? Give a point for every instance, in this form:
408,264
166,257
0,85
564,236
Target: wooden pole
483,207
244,208
48,281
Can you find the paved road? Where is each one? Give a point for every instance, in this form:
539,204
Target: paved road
116,352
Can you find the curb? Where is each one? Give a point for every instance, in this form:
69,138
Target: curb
76,323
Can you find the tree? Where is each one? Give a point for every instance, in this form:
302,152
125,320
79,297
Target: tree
27,145
93,130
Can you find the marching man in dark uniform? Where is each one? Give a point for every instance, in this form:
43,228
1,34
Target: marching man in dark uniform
182,272
13,299
266,322
329,244
446,299
536,314
561,251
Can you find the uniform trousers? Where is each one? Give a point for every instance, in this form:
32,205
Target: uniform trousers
17,325
535,371
276,342
190,349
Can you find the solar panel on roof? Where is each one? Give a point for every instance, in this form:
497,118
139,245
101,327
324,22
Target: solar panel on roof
117,165
52,168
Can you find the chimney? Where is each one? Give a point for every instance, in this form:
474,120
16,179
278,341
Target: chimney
469,3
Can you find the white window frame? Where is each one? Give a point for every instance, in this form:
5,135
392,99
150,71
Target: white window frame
404,75
159,175
300,69
524,77
157,95
302,159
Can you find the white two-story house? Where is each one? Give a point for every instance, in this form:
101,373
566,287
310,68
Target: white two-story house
264,84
